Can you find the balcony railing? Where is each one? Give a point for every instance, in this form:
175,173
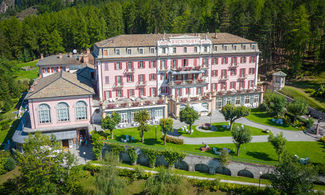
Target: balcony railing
118,85
163,69
223,78
233,65
141,83
201,81
242,76
129,71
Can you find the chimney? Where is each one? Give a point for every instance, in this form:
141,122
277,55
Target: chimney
42,56
60,55
88,51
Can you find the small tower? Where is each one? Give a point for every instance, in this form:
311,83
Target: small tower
278,80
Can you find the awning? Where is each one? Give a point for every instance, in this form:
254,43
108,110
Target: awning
63,134
199,108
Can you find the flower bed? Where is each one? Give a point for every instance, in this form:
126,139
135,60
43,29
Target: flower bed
147,102
135,104
205,97
123,105
111,106
194,98
160,101
183,99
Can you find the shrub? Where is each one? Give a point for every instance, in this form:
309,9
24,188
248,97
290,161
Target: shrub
172,156
311,91
204,185
91,168
322,140
132,154
174,140
262,107
116,148
10,164
151,155
310,123
296,123
287,120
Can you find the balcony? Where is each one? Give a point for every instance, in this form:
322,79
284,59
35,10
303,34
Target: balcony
205,67
129,71
242,76
200,82
141,83
187,70
233,65
122,103
163,69
118,85
223,78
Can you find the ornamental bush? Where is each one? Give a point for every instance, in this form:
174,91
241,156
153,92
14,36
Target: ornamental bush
174,140
151,155
172,157
132,154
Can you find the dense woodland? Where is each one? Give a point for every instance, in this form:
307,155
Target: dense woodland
290,33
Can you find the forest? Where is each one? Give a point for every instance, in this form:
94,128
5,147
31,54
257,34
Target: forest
290,34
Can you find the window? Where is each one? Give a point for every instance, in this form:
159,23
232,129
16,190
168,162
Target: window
81,110
141,91
246,99
63,112
119,79
215,48
185,62
152,50
164,50
108,94
234,47
141,65
140,51
224,60
106,79
44,113
117,51
174,49
223,86
228,101
130,67
106,67
174,63
131,92
128,51
243,47
205,105
153,91
256,98
205,49
199,91
242,84
185,49
214,86
224,47
119,93
141,78
130,78
219,103
152,76
105,52
152,64
195,49
251,84
253,46
244,59
224,73
205,61
118,66
237,101
233,72
232,85
178,92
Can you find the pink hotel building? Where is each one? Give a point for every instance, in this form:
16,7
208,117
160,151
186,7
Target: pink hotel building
164,72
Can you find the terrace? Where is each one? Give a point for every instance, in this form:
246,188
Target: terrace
133,102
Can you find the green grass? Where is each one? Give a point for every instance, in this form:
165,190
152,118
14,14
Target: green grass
31,74
221,132
264,118
261,153
317,103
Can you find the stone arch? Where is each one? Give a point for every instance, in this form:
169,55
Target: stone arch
265,176
202,168
245,173
124,157
161,161
223,170
182,165
142,160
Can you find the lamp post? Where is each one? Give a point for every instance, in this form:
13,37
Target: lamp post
259,180
84,153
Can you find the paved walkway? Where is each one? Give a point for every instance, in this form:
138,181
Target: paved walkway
218,117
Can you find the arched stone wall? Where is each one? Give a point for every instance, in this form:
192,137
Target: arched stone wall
202,168
182,165
245,173
223,170
161,161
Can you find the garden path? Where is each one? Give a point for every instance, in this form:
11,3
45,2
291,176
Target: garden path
218,117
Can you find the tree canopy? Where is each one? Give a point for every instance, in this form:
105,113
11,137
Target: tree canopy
279,143
275,103
298,107
110,122
189,116
241,135
166,125
142,117
232,113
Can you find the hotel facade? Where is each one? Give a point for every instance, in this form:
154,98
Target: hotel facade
164,72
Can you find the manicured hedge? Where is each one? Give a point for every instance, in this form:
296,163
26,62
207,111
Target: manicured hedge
174,140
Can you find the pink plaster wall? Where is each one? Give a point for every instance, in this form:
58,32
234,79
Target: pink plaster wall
33,107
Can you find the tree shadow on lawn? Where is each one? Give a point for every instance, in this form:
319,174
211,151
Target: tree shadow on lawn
260,155
151,141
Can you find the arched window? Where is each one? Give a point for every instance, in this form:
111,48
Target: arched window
44,113
81,110
63,112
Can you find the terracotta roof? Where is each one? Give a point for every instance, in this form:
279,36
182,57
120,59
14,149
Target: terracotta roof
60,84
135,40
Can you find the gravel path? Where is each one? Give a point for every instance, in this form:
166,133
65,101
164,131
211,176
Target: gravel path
218,117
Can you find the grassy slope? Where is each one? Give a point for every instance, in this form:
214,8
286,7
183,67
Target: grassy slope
264,118
221,132
296,92
31,74
253,152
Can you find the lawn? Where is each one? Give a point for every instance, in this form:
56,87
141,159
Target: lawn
264,118
317,103
221,131
261,153
31,74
